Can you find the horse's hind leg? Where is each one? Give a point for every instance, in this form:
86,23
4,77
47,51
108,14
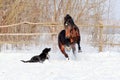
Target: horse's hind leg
79,47
73,48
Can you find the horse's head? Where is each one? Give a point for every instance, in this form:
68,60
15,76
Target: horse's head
68,24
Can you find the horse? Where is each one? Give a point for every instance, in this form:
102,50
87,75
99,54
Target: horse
69,36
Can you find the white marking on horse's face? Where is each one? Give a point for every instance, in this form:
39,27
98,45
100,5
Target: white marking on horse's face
66,24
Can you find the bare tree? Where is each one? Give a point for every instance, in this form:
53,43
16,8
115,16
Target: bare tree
82,11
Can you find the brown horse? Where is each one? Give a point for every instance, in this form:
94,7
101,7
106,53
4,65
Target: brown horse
69,37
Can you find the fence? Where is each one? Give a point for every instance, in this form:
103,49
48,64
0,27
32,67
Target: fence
100,43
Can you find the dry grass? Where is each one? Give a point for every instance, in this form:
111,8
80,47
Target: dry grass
46,11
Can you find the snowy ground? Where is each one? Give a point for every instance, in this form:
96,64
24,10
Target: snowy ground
86,66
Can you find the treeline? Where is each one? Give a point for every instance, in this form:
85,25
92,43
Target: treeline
15,11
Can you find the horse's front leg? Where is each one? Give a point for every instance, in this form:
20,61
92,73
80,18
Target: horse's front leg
62,48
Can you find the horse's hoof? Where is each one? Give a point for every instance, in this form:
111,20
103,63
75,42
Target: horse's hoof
79,51
67,59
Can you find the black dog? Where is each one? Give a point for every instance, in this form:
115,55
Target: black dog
39,58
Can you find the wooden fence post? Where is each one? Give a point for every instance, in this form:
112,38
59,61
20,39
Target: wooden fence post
101,37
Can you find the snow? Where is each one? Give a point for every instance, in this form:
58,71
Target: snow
115,9
86,66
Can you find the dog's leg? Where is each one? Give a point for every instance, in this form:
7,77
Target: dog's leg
48,56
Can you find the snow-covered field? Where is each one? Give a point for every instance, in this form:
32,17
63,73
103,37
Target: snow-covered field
86,66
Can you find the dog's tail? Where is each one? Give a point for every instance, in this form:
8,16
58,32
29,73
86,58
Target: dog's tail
25,61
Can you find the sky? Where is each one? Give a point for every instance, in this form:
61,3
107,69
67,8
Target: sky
115,9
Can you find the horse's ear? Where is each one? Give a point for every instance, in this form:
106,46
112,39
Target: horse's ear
68,15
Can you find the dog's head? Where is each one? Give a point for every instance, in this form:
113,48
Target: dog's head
46,50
